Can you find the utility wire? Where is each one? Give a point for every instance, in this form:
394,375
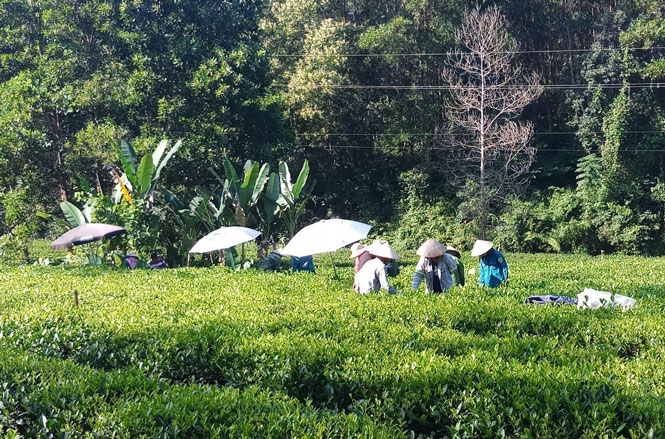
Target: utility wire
454,87
430,148
539,133
425,54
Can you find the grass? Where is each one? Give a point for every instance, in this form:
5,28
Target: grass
207,352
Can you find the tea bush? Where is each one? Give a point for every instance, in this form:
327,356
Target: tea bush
208,352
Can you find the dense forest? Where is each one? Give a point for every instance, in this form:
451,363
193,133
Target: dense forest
358,89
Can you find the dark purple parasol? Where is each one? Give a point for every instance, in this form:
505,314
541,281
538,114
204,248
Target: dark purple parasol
86,233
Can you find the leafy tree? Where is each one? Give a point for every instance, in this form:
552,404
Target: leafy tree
22,219
75,73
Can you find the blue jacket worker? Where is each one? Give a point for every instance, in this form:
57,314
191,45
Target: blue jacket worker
303,263
493,266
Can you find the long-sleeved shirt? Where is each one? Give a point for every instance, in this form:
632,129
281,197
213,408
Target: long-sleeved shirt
372,277
360,260
493,269
458,274
272,262
425,270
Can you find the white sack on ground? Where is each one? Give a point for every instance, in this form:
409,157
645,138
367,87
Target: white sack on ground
594,299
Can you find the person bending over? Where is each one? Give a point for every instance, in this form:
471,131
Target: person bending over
372,276
493,266
156,262
435,266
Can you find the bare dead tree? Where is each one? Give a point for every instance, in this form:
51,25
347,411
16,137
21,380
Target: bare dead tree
486,146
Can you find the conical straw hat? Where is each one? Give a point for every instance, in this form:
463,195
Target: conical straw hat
357,249
382,249
481,247
453,252
431,249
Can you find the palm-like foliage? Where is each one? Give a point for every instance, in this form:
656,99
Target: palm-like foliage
293,196
140,179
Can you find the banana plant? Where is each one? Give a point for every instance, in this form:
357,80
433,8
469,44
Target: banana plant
269,213
139,178
203,214
231,204
240,196
189,223
293,196
271,203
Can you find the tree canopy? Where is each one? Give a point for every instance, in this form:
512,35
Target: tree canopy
357,89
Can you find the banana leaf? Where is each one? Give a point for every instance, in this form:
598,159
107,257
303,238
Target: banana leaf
73,215
144,175
302,179
165,160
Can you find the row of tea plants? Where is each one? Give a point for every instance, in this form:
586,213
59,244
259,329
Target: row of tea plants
212,352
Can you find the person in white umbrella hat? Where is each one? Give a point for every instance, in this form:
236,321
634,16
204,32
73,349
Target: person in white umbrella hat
493,265
372,276
435,266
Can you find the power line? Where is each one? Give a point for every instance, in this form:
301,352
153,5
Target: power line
539,133
452,87
430,148
432,54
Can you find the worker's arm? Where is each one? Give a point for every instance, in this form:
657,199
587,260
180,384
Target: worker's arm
419,274
383,280
451,265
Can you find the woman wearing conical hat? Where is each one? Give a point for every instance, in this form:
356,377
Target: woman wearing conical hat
493,265
360,254
435,266
392,267
372,277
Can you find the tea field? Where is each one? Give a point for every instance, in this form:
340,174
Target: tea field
207,352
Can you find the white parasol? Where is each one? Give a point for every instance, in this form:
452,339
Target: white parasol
223,238
326,236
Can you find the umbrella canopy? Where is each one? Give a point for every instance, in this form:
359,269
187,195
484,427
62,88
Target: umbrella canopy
86,233
223,238
326,236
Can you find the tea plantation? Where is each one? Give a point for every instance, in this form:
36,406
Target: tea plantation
207,352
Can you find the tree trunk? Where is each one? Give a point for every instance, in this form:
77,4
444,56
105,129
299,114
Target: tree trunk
483,195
